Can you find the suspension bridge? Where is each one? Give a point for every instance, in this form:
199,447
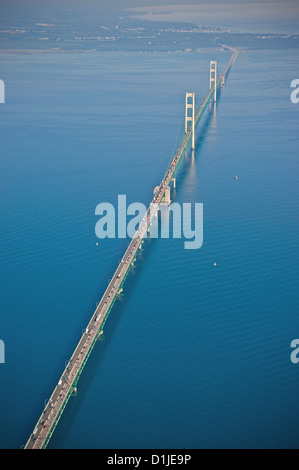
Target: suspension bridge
67,384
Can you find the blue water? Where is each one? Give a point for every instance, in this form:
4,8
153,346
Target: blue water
193,355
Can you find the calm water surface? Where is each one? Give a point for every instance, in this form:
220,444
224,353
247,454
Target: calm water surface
193,355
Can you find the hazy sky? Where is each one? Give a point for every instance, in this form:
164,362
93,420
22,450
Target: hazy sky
256,14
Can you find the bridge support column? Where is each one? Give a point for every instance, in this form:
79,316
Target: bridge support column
192,117
173,180
213,77
166,198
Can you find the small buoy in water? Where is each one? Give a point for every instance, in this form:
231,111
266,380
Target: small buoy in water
97,243
236,177
215,264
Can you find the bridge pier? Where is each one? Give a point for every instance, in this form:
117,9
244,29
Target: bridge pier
166,198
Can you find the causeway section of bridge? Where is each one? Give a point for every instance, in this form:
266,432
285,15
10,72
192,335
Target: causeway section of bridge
67,384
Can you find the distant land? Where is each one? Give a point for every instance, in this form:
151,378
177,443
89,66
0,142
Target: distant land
128,34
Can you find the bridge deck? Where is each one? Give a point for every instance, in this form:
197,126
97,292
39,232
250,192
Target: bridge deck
69,378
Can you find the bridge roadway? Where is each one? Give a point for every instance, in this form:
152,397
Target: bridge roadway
68,381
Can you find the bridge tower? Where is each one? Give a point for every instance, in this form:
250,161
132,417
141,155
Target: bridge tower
192,117
213,77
